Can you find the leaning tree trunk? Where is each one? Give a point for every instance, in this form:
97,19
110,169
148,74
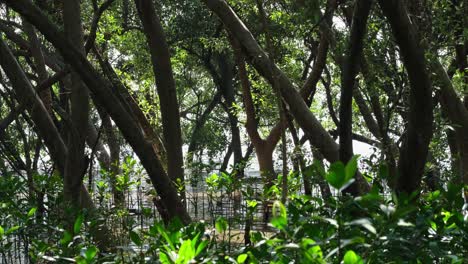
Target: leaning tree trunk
457,113
263,148
47,130
318,136
45,95
132,107
103,94
39,63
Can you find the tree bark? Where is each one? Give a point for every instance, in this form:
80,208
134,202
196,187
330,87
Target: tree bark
227,90
132,107
201,121
310,85
459,9
318,136
263,148
93,140
413,152
114,149
79,101
45,95
46,129
323,185
378,126
350,71
162,68
104,95
298,158
39,62
457,113
51,61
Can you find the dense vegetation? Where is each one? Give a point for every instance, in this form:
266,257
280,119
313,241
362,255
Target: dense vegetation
233,131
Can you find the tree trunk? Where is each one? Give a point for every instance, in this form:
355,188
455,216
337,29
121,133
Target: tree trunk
318,136
93,141
75,164
132,107
227,89
323,185
45,95
298,158
457,113
263,148
114,148
166,89
413,152
459,9
455,161
39,62
103,94
350,70
199,124
47,130
268,175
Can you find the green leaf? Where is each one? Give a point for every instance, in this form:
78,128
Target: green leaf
308,171
164,234
317,166
67,237
78,223
71,260
252,204
49,258
135,238
454,193
402,222
221,224
32,212
351,168
433,195
279,220
186,252
80,260
242,258
201,246
90,253
2,231
164,258
331,221
336,175
279,209
12,229
195,240
383,171
352,258
311,251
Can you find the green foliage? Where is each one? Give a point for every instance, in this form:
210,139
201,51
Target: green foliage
373,228
221,224
378,227
340,176
78,223
352,258
280,219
